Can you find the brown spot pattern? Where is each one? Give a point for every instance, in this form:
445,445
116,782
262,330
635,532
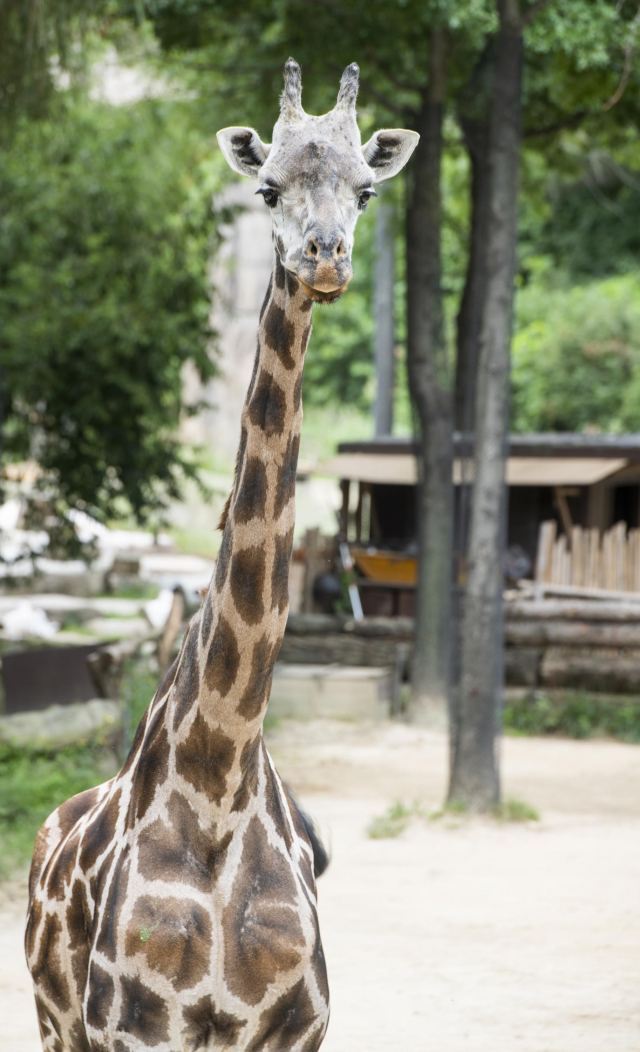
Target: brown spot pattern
72,810
78,1038
247,578
262,933
223,660
286,1022
275,807
257,690
100,832
47,968
224,555
187,685
292,287
251,502
205,758
286,480
297,394
79,921
207,618
152,769
61,868
178,943
43,1017
279,333
205,1027
279,265
280,573
181,851
268,405
144,1014
249,765
319,964
139,735
33,927
39,854
108,938
100,999
267,297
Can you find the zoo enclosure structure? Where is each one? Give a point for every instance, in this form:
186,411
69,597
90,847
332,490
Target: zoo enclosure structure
566,490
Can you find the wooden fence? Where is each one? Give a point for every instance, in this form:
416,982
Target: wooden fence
587,558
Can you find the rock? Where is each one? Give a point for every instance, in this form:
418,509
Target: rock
61,726
331,691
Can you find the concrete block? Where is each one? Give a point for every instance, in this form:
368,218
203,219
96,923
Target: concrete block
331,691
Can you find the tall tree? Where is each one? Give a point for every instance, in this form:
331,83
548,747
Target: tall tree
475,771
106,235
485,318
429,384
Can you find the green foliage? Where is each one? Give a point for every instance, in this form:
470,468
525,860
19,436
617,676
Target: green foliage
576,356
31,787
511,810
574,715
393,822
594,230
105,238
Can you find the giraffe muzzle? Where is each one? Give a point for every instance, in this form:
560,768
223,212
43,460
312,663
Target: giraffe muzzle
325,267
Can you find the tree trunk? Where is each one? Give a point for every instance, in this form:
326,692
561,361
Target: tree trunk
473,118
384,338
475,773
429,385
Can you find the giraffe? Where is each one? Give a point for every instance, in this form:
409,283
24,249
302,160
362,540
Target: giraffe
174,907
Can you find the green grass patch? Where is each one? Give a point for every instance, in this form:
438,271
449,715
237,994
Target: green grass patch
574,714
515,811
393,822
453,808
31,787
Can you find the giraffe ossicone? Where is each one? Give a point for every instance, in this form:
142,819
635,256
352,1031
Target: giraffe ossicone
174,907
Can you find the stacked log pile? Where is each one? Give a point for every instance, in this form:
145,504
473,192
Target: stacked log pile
554,643
588,644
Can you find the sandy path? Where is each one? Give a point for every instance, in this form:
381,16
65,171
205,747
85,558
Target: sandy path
456,936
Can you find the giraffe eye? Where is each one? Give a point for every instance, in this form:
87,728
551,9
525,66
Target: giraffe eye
363,198
271,196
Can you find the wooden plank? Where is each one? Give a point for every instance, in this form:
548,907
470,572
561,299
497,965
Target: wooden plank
574,592
581,669
572,633
571,610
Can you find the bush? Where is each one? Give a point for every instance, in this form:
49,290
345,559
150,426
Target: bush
575,715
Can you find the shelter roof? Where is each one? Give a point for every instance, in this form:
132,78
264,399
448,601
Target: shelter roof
547,444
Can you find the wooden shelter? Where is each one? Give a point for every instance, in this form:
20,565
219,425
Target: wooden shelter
581,483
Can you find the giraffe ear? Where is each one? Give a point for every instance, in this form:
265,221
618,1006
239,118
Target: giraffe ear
388,151
243,150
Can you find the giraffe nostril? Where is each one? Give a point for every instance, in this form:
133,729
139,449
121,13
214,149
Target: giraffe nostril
312,247
340,248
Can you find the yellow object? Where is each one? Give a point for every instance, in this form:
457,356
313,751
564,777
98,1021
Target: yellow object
386,567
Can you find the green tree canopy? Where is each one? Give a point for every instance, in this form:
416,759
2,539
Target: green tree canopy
106,234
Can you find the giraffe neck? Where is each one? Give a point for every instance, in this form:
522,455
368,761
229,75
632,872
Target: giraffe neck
221,689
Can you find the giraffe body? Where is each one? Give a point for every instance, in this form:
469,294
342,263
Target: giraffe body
174,907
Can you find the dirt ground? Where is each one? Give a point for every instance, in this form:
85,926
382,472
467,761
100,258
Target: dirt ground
460,934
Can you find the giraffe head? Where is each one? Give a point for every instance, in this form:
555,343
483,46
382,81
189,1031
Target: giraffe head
316,178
